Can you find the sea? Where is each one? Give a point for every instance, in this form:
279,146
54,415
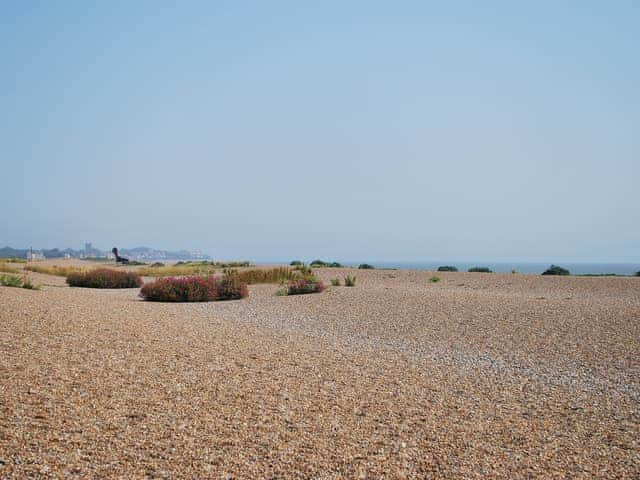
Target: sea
520,267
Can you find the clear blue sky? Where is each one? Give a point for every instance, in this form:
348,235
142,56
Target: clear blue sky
340,130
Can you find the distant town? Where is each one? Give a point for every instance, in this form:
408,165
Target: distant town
90,252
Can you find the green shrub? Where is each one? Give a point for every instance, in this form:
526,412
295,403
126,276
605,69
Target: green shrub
10,281
350,281
447,268
104,278
335,282
556,270
157,265
18,282
320,263
365,266
638,273
480,270
295,263
305,285
434,279
283,291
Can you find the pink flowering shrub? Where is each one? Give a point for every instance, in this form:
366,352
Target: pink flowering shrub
104,278
194,289
180,289
305,285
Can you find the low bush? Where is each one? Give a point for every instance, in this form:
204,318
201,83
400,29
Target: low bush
180,289
434,279
447,268
195,288
556,270
304,285
18,282
10,281
295,263
231,287
157,265
366,266
480,270
335,282
638,273
320,263
349,281
104,278
13,260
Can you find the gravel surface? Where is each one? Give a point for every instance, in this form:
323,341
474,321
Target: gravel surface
477,376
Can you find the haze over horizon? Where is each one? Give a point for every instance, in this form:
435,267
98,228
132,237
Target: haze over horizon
401,132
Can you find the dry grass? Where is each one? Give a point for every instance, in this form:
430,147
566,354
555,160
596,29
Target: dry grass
7,269
268,275
60,271
177,270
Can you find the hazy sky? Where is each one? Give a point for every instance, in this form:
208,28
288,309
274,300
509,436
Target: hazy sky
341,130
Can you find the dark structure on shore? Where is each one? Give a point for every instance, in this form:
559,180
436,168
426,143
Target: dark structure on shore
119,259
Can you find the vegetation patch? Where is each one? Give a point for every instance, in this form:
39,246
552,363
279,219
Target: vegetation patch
7,269
556,270
323,264
447,268
480,270
434,279
13,260
366,266
350,281
305,285
55,270
203,263
195,288
104,278
335,282
270,275
296,263
18,282
176,270
180,289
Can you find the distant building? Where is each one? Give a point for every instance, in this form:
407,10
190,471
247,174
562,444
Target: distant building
88,247
34,255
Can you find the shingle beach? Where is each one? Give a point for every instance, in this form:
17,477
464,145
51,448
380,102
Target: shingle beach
476,376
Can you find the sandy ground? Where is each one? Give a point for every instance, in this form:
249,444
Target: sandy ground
477,376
